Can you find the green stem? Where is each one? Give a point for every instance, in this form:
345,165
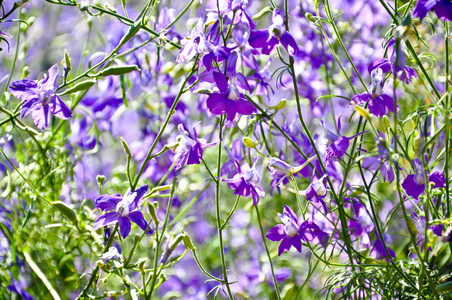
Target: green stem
275,282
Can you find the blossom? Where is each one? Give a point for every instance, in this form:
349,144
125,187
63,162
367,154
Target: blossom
123,211
379,104
414,184
337,144
40,99
190,148
244,183
275,34
293,231
404,72
229,100
442,8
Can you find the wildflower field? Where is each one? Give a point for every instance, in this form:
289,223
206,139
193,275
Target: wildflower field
225,149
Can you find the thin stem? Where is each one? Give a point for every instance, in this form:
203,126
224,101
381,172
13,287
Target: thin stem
275,282
217,208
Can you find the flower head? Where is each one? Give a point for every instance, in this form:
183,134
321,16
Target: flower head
190,148
40,99
244,183
293,231
268,39
122,211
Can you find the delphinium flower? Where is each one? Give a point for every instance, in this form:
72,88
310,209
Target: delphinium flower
442,8
293,231
379,104
40,99
112,253
244,183
337,144
280,169
229,100
414,184
206,44
124,211
109,96
404,72
190,148
268,39
419,221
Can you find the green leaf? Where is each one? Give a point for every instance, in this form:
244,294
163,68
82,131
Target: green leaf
66,211
80,86
118,70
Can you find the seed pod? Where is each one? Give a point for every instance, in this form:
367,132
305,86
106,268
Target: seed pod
80,86
118,70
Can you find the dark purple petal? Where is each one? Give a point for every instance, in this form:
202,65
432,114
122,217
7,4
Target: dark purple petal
270,45
241,82
443,10
285,245
61,110
140,192
277,233
338,148
412,188
296,242
106,219
244,107
124,226
290,214
231,109
361,98
384,64
221,81
289,43
438,179
108,202
388,101
423,7
216,103
138,218
258,39
232,62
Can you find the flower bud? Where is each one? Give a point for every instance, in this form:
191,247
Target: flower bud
126,147
310,17
187,242
281,105
249,142
386,122
363,112
100,180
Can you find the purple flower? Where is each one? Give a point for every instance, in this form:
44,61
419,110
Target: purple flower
414,184
124,211
40,99
229,100
404,72
244,183
280,169
293,231
190,148
443,9
275,34
379,104
112,253
337,144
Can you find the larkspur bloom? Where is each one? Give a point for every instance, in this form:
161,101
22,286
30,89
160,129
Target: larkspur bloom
414,184
230,99
442,8
268,39
244,183
124,211
337,144
40,99
420,222
404,72
280,169
379,104
190,148
293,231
